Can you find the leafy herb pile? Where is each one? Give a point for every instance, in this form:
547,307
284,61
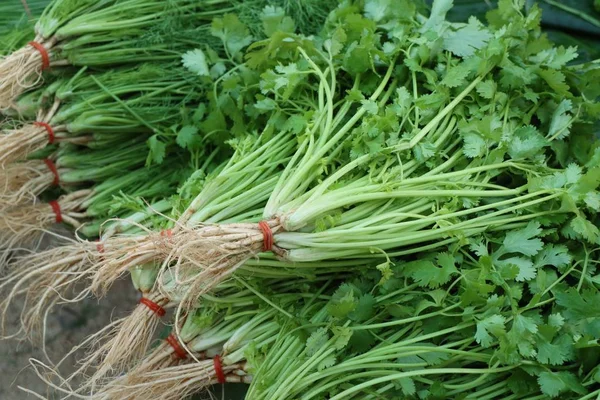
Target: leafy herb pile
384,204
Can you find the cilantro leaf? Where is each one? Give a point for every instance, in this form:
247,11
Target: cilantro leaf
560,125
343,301
274,20
316,341
523,240
492,325
188,137
428,274
555,383
195,61
157,152
234,34
526,142
467,39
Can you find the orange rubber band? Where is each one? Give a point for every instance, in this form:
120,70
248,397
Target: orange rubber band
48,129
43,53
157,309
267,235
168,233
219,369
56,208
179,351
52,168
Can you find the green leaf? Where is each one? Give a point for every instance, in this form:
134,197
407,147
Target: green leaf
407,385
370,106
526,142
523,240
234,34
426,273
188,137
195,61
316,341
456,76
327,362
343,301
586,229
274,20
467,39
555,255
157,150
560,125
556,80
365,308
474,145
555,383
555,57
524,325
578,306
437,17
487,89
492,325
523,267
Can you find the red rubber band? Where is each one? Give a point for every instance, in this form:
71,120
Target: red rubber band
179,351
100,246
157,309
219,369
56,208
52,168
267,235
48,129
43,53
168,233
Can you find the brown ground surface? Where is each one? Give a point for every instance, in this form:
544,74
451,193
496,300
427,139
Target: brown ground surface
66,327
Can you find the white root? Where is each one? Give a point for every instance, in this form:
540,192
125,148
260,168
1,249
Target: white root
21,183
21,70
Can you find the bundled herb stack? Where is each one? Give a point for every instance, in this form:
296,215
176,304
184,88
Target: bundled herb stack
409,210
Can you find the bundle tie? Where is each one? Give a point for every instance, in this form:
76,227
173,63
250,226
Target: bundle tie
48,129
179,351
168,233
45,57
99,246
157,309
52,168
56,208
219,369
267,235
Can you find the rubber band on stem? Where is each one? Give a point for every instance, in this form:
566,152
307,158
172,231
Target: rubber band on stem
56,208
45,56
219,369
52,167
174,343
48,128
157,309
267,235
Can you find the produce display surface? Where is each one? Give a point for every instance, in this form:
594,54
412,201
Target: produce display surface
300,199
